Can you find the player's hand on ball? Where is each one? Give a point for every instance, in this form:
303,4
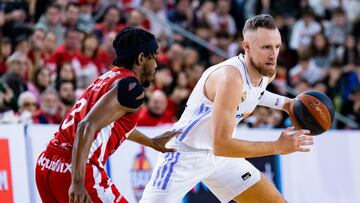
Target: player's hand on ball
78,193
160,141
294,141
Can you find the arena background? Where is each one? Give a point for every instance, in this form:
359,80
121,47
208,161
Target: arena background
51,50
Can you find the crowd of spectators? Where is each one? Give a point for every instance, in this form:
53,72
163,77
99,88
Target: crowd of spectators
51,50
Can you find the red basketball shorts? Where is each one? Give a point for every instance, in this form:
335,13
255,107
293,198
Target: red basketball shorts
53,179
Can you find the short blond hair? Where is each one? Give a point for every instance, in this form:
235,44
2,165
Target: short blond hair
259,21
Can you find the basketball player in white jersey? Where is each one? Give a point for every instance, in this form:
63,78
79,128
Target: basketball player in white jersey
206,150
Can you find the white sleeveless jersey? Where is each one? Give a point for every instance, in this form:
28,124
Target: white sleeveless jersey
195,122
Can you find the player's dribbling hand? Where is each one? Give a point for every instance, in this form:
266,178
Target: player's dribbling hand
160,141
78,194
294,141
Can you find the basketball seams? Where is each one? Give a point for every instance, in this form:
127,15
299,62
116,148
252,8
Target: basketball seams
293,118
325,124
305,119
325,100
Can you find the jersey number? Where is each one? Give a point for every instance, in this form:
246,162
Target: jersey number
81,103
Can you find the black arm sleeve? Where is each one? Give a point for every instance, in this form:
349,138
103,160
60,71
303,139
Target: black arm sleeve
130,93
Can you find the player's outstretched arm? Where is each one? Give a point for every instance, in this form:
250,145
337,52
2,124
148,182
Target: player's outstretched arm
108,109
275,101
158,143
226,96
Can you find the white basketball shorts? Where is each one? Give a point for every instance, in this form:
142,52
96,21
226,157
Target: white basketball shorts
176,173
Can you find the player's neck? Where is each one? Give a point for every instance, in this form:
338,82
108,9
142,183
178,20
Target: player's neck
255,76
138,71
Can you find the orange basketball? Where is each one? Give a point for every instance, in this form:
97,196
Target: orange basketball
312,110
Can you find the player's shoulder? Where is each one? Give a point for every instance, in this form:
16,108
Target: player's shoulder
229,74
130,92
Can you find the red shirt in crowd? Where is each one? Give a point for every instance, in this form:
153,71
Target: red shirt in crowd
62,55
146,118
44,118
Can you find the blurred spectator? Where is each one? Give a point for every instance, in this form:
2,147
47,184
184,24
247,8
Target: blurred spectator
65,73
70,19
190,58
106,52
283,27
49,108
67,96
302,86
319,7
350,54
36,53
287,56
221,20
350,79
333,82
110,23
22,43
49,49
17,65
287,8
86,22
259,118
51,22
39,82
235,48
5,51
257,7
279,82
156,113
7,99
90,60
202,15
173,58
321,87
75,18
27,107
223,41
181,14
156,8
179,95
322,53
275,119
205,32
2,18
96,8
137,19
163,79
193,74
306,70
40,8
14,17
352,9
69,51
304,29
351,108
337,29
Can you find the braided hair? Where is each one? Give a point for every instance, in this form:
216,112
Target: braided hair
129,38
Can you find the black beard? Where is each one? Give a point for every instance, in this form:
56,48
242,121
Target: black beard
146,78
263,71
146,83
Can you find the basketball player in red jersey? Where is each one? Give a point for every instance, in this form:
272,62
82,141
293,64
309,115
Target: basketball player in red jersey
71,169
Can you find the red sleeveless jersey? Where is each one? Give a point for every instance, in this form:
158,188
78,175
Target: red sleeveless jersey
107,139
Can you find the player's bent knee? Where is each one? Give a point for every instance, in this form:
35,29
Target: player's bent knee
263,191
